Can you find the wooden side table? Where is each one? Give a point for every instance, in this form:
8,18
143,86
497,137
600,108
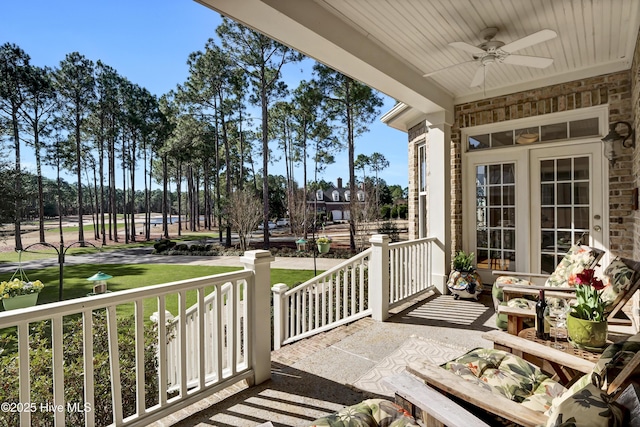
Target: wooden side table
530,335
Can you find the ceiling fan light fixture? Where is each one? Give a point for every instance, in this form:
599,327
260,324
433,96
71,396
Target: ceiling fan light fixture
527,138
491,51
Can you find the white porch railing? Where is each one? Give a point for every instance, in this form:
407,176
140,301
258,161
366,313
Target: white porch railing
333,298
205,362
224,313
370,283
410,269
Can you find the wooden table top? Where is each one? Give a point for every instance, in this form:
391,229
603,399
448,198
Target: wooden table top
530,335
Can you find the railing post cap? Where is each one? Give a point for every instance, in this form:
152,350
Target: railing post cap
258,256
280,288
379,238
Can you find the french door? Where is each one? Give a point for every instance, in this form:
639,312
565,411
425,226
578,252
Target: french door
567,203
524,207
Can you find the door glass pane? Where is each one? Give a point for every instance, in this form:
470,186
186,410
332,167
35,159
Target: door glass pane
495,174
548,194
508,173
564,193
495,217
564,169
581,168
565,217
581,193
547,170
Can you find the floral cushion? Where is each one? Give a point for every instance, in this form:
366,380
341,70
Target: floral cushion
369,413
622,351
577,259
588,407
500,372
574,262
502,281
617,278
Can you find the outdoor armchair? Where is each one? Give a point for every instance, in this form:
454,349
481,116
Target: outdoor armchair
621,279
578,258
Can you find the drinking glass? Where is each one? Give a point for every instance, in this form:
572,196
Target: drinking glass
556,314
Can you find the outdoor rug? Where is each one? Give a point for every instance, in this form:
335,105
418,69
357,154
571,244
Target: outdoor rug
413,349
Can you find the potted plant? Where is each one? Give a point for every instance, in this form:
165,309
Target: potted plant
463,262
587,322
19,292
464,281
324,243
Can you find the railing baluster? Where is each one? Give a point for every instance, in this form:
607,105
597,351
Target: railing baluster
87,356
220,337
114,359
58,368
163,370
139,343
182,343
25,380
303,311
201,340
232,332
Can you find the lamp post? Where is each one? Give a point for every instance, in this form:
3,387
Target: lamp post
61,250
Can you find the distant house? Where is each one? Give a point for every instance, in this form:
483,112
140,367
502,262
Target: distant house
334,202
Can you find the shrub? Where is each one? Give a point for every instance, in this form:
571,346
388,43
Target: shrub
163,246
41,370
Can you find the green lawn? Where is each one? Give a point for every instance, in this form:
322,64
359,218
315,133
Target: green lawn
129,276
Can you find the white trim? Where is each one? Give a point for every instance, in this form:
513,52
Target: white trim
521,155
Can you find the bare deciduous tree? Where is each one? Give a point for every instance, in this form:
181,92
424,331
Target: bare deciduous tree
244,212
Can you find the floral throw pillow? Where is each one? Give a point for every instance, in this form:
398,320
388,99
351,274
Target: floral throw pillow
369,413
577,259
617,279
588,407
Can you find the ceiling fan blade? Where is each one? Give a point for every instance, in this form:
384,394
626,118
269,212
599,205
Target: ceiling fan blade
467,47
530,40
431,73
478,77
528,61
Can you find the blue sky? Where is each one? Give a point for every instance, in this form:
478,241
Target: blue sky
148,42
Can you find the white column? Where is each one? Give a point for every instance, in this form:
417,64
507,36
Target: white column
259,262
439,198
280,314
379,277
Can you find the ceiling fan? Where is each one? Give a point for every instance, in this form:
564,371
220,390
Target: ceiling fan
491,51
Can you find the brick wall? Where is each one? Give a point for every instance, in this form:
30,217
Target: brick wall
613,89
635,102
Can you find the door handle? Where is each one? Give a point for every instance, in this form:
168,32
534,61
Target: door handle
597,228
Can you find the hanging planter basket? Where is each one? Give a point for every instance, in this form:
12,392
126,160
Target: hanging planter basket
19,291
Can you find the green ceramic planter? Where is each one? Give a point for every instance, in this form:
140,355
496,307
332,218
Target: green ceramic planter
586,333
323,248
20,301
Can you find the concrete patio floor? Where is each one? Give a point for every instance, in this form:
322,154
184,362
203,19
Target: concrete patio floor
315,377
